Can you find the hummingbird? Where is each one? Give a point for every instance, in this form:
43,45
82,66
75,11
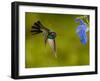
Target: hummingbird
81,31
49,36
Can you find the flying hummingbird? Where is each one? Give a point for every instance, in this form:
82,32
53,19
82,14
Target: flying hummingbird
49,36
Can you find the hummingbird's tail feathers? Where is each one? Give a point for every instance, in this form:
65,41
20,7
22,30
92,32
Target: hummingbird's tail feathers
55,55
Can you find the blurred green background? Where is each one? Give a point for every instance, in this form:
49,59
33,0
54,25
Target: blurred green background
70,51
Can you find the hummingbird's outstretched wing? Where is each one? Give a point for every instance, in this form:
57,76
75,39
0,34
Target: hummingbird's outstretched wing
49,36
39,28
36,29
45,31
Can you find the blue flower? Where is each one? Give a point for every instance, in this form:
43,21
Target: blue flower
81,31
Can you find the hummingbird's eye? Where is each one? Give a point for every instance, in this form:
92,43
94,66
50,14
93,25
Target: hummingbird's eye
53,34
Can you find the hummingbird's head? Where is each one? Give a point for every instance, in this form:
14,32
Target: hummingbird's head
52,35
